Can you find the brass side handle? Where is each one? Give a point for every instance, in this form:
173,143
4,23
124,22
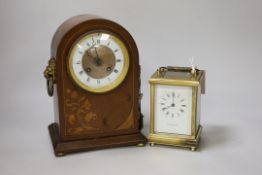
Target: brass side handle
203,82
50,76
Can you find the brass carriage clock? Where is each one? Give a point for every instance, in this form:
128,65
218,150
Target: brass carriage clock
175,106
94,76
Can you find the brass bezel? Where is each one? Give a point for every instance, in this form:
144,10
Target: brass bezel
110,86
190,141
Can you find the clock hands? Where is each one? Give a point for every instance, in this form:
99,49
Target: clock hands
173,98
98,60
171,106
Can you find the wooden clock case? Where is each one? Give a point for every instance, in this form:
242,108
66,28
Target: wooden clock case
86,120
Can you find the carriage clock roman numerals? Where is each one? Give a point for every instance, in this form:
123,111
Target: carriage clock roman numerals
173,104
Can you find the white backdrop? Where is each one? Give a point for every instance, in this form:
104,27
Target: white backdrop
225,36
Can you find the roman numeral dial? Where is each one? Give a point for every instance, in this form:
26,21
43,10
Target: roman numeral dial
173,107
99,62
173,104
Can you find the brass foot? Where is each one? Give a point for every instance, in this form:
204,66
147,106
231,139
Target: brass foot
193,148
141,145
152,144
60,154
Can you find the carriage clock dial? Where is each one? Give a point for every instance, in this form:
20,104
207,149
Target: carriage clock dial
98,62
173,105
173,109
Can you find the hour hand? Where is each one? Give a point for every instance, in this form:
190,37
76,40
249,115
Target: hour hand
98,61
172,105
165,108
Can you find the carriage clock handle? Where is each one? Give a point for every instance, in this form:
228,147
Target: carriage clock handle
162,70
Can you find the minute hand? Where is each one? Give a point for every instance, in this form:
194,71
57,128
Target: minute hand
97,59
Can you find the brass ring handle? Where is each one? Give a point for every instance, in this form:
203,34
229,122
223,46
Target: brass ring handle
50,76
50,87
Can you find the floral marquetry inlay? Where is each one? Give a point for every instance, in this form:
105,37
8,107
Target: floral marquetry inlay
79,116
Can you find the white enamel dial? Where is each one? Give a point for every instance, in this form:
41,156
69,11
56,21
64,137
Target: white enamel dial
173,109
98,62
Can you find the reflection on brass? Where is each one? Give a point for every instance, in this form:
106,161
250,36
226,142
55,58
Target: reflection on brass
50,76
60,154
98,62
193,148
152,144
141,144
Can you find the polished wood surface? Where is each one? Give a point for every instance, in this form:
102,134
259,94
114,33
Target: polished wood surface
65,147
84,115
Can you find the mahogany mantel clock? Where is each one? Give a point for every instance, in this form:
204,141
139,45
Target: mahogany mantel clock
94,76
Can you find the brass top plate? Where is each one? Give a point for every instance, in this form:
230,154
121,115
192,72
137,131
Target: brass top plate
180,76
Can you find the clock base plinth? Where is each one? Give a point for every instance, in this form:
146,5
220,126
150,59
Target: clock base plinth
65,147
158,139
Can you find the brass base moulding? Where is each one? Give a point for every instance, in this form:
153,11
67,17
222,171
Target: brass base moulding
170,140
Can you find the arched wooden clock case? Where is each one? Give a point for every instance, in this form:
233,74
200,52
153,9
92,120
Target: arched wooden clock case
85,120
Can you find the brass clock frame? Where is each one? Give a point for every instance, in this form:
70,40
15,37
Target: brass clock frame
196,81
